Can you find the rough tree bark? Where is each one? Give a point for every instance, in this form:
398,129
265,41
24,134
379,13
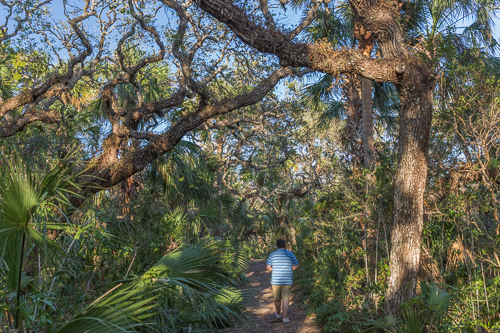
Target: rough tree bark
365,46
351,93
415,91
109,170
411,175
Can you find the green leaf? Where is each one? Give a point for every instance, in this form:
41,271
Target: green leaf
493,164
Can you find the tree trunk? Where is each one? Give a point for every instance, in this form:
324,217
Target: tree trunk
292,239
220,146
410,179
368,146
366,40
368,159
354,128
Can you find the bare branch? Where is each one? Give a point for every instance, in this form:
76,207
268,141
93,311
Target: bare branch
267,15
56,83
10,128
228,123
155,57
28,10
309,18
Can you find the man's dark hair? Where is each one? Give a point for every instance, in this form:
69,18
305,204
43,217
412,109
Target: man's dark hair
280,243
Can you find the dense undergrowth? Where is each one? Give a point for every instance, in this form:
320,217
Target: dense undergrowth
460,292
94,271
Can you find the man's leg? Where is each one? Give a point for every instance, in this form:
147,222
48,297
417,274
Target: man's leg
277,298
286,302
285,296
277,305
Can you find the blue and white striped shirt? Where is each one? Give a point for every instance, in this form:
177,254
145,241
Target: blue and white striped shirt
282,262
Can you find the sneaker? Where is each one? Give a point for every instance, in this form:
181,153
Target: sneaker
278,316
286,320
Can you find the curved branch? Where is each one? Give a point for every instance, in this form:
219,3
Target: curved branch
106,173
11,127
228,123
27,13
267,15
56,83
157,107
320,57
154,58
309,18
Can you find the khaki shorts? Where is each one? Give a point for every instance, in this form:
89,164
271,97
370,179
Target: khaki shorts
282,292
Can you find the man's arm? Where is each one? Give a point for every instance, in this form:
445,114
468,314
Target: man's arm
269,263
295,263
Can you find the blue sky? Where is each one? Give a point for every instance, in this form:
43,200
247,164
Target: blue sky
289,18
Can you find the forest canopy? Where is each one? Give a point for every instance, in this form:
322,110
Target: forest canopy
151,148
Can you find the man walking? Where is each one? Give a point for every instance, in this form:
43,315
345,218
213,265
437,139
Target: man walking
282,263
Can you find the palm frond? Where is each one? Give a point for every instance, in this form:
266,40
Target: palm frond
333,28
11,253
412,322
386,101
188,269
194,270
480,32
414,20
18,197
26,205
335,110
123,310
220,310
153,90
184,174
320,92
95,109
211,210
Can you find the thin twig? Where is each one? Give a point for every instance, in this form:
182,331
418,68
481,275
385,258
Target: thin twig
105,294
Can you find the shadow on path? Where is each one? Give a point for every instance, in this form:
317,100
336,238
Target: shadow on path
261,308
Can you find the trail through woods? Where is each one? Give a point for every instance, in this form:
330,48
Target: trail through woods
262,318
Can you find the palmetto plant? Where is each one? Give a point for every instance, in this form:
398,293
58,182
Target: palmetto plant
190,285
5,72
433,309
179,290
186,284
28,207
184,174
120,310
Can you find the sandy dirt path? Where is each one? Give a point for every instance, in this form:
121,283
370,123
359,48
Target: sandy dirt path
262,318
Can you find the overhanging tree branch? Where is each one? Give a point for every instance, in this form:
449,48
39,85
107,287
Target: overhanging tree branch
10,128
319,57
108,171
